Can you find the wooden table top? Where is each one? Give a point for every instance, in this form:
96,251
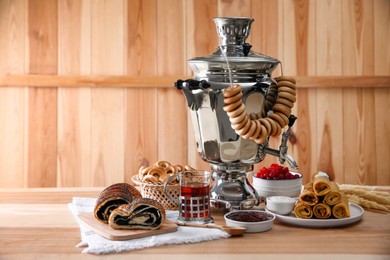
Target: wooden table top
37,224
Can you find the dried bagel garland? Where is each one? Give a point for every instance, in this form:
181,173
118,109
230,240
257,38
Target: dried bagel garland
256,126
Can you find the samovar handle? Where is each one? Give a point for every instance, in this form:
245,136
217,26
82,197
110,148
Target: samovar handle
191,84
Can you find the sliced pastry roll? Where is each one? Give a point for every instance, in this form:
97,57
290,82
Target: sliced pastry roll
322,211
112,197
302,210
143,213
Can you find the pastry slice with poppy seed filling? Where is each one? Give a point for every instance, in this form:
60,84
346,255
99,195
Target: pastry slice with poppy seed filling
143,213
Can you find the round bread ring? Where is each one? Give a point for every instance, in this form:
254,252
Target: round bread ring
287,96
257,133
288,90
287,84
162,164
232,91
237,111
278,129
151,179
273,126
252,129
238,119
286,78
278,119
266,124
156,172
179,168
263,135
144,172
283,109
240,125
143,167
232,106
233,99
170,170
284,102
245,128
283,116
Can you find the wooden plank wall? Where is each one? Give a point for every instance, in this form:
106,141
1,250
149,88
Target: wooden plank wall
86,95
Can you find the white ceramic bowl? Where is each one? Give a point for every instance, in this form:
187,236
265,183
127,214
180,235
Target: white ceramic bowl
281,205
285,187
241,218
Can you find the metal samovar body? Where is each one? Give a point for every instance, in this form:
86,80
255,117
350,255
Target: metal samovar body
231,157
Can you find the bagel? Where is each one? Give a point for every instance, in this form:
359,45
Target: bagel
230,107
237,111
266,124
287,90
234,98
273,126
287,96
286,78
283,109
283,116
232,91
252,129
238,119
162,164
257,133
263,135
284,102
278,119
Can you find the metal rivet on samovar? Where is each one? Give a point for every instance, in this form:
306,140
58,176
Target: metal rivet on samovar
231,152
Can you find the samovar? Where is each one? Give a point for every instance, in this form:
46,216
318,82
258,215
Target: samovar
230,154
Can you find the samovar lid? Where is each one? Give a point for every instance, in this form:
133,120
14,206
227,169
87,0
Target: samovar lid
233,60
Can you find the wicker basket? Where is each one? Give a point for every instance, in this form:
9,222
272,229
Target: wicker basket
156,192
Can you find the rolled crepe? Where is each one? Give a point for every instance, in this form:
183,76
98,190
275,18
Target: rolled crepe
308,196
302,210
322,211
333,196
341,209
321,184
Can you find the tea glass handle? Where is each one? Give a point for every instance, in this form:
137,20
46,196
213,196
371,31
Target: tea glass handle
165,187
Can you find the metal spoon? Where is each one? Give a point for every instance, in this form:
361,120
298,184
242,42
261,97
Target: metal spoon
234,231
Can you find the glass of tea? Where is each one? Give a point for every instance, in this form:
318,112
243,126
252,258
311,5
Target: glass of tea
194,198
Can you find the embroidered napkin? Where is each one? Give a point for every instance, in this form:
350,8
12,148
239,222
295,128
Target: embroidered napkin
96,244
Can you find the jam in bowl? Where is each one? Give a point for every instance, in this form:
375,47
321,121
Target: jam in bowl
252,220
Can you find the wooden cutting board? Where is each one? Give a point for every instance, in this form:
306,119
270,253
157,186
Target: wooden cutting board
89,220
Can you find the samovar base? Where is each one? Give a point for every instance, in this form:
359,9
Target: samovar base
232,189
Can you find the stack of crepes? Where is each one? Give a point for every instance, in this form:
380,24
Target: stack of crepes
322,199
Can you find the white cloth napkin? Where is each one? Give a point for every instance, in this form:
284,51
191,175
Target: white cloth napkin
96,244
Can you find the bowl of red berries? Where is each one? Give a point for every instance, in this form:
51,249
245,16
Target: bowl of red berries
277,180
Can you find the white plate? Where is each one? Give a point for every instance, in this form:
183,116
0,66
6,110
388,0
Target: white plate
356,211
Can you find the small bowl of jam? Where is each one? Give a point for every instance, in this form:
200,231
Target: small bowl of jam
253,220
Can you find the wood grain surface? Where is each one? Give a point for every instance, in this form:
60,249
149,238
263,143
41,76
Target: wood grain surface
37,223
86,92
